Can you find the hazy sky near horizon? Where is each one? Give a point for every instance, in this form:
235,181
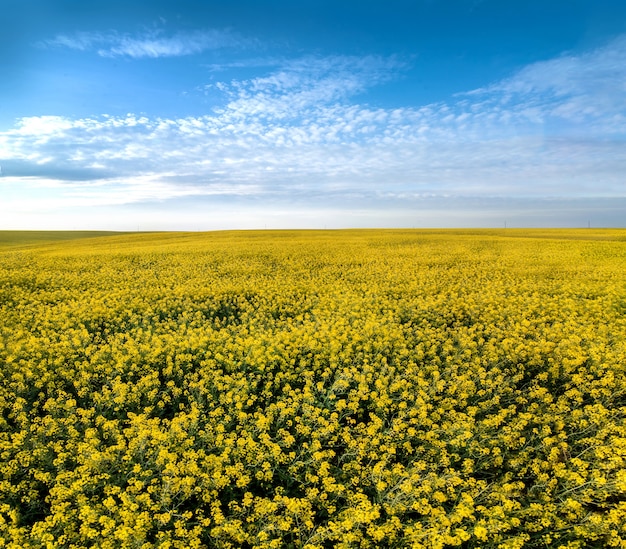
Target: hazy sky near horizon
190,115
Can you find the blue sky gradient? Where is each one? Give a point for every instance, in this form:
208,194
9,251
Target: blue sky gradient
163,115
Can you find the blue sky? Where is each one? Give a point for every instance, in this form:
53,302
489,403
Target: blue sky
190,115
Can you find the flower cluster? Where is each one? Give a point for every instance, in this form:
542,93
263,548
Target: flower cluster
267,389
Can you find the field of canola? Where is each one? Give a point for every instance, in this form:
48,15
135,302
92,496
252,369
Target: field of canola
418,389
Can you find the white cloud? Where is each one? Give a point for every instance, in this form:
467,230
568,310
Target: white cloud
151,44
296,140
43,125
303,84
587,89
81,41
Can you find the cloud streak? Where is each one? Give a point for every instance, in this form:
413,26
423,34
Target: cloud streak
152,44
573,90
299,87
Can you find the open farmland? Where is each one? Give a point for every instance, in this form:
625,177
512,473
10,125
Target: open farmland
314,389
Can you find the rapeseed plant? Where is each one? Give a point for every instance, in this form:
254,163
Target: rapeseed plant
415,389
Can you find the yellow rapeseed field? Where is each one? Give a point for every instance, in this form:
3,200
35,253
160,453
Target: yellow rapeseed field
418,389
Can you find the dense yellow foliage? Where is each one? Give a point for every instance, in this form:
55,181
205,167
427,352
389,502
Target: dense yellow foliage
315,389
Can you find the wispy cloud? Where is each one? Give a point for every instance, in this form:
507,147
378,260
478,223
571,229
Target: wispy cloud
302,85
299,135
587,91
151,44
